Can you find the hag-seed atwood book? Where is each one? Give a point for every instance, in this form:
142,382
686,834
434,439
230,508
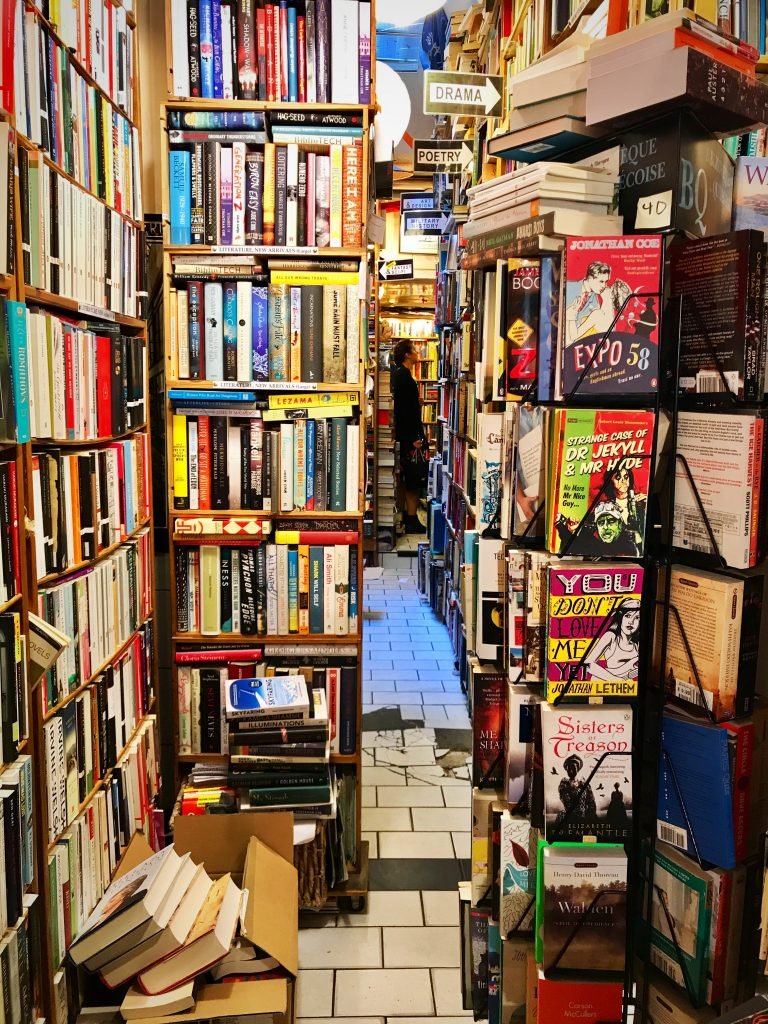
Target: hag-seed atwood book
587,765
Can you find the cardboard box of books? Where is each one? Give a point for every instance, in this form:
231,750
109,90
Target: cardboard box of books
257,850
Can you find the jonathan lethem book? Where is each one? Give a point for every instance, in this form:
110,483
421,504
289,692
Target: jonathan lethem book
208,941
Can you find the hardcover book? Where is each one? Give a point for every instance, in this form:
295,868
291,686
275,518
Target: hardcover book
518,843
587,765
610,315
593,630
491,588
489,704
601,469
522,709
521,340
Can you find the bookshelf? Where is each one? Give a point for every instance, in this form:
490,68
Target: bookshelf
283,646
73,535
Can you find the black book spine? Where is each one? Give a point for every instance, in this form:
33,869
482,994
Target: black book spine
105,526
210,174
81,741
111,691
248,591
274,737
219,481
10,255
182,586
245,466
47,510
24,205
225,589
210,711
323,50
231,13
755,325
301,216
275,779
12,831
261,590
266,471
193,47
348,709
54,239
8,698
197,196
196,330
101,715
254,200
6,540
25,985
5,973
247,74
281,193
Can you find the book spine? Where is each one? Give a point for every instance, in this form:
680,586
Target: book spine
301,45
344,44
279,329
293,590
336,194
224,192
197,366
244,340
334,322
338,495
211,177
291,194
254,208
364,50
282,589
315,589
180,463
260,333
281,195
295,331
219,483
341,581
261,45
271,585
261,590
206,49
194,455
309,31
348,711
352,194
286,467
321,466
323,201
269,194
269,40
197,195
214,331
184,697
248,591
180,171
329,593
227,320
310,447
352,335
19,355
293,57
300,465
238,193
354,591
323,51
247,71
218,51
281,14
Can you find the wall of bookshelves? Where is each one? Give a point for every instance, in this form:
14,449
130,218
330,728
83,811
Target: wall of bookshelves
80,523
266,307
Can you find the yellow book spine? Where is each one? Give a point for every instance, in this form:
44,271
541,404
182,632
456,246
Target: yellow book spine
304,588
210,614
180,461
286,536
337,197
305,277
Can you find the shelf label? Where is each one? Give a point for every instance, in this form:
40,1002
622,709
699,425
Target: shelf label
462,92
441,155
88,310
654,211
264,250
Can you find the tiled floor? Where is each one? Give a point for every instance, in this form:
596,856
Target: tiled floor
399,961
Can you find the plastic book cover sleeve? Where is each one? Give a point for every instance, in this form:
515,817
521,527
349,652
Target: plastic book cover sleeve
270,693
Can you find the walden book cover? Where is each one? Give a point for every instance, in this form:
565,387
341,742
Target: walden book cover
581,907
600,476
610,315
593,630
587,765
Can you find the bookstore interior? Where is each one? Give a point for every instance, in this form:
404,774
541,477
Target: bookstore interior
383,521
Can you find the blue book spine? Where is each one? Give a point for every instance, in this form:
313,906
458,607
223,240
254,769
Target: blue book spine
315,590
549,302
494,973
180,182
228,397
762,26
293,589
17,337
129,495
293,54
216,120
260,333
353,595
206,49
230,328
311,429
218,54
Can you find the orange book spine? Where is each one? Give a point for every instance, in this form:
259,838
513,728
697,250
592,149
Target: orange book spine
204,461
352,201
733,60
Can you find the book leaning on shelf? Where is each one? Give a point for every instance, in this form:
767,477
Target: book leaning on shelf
315,51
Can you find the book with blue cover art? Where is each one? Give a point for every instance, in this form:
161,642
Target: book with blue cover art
278,696
17,337
180,187
206,49
695,771
260,332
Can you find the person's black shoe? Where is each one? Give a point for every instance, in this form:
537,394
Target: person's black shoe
414,525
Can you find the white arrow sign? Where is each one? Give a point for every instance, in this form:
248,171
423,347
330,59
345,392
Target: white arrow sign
459,93
440,155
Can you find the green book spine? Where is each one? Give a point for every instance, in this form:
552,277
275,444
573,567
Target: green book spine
290,795
338,465
279,332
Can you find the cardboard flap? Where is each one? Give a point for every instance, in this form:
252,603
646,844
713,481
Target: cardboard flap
220,841
232,1000
272,913
137,851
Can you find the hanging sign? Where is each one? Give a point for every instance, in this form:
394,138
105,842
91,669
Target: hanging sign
462,92
441,155
396,270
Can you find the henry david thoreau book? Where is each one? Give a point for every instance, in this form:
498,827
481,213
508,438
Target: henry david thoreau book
593,630
600,474
581,907
610,315
720,282
587,765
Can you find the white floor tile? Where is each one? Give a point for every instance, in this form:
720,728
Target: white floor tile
422,947
340,947
385,992
423,685
431,775
416,844
445,819
435,715
312,919
455,797
441,908
384,777
418,737
367,759
314,994
382,682
413,712
405,758
447,987
387,819
373,843
462,844
387,908
369,796
430,697
409,796
384,738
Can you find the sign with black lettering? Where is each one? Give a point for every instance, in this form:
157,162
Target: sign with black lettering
462,92
441,155
396,270
410,201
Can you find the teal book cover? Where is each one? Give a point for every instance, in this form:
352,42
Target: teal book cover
17,331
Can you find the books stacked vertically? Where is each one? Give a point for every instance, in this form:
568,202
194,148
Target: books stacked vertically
232,188
16,839
86,382
304,583
314,51
8,187
303,326
233,462
10,538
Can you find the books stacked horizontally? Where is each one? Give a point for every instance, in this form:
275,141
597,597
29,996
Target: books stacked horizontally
161,926
314,51
580,198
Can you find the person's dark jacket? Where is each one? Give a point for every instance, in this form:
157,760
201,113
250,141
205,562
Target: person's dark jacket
405,392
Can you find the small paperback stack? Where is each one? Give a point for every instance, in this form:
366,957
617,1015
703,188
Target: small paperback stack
162,925
279,746
580,199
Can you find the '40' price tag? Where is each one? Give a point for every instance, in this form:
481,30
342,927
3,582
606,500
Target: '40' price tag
654,211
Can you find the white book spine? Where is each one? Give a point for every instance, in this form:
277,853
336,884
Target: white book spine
353,334
214,330
271,565
329,590
194,705
341,578
286,467
234,464
194,480
292,194
244,330
344,51
282,589
353,467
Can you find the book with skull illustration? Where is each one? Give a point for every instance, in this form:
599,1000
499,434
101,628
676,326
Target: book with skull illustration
593,630
587,766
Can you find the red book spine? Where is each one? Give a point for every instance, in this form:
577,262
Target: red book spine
301,42
261,52
69,385
220,656
283,22
7,10
204,461
718,955
740,784
269,41
14,501
104,386
319,537
277,45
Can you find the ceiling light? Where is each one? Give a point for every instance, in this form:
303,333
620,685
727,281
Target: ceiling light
400,13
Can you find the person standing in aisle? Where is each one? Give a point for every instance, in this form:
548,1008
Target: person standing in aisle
409,432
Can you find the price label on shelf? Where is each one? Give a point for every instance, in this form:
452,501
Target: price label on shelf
88,310
654,212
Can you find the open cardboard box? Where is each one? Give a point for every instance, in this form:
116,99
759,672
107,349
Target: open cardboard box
258,851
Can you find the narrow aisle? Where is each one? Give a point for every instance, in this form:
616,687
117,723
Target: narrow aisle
400,959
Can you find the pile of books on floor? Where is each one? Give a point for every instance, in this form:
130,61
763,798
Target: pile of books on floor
163,925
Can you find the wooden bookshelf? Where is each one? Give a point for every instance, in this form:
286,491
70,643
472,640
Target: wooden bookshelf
356,887
13,286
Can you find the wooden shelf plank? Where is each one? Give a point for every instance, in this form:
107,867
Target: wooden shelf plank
287,639
208,104
300,387
56,577
40,296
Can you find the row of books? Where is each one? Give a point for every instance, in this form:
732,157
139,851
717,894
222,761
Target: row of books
99,608
98,34
581,480
305,583
87,736
10,550
14,711
71,120
313,51
75,246
286,331
284,194
88,501
83,860
17,813
8,189
17,966
86,381
230,463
